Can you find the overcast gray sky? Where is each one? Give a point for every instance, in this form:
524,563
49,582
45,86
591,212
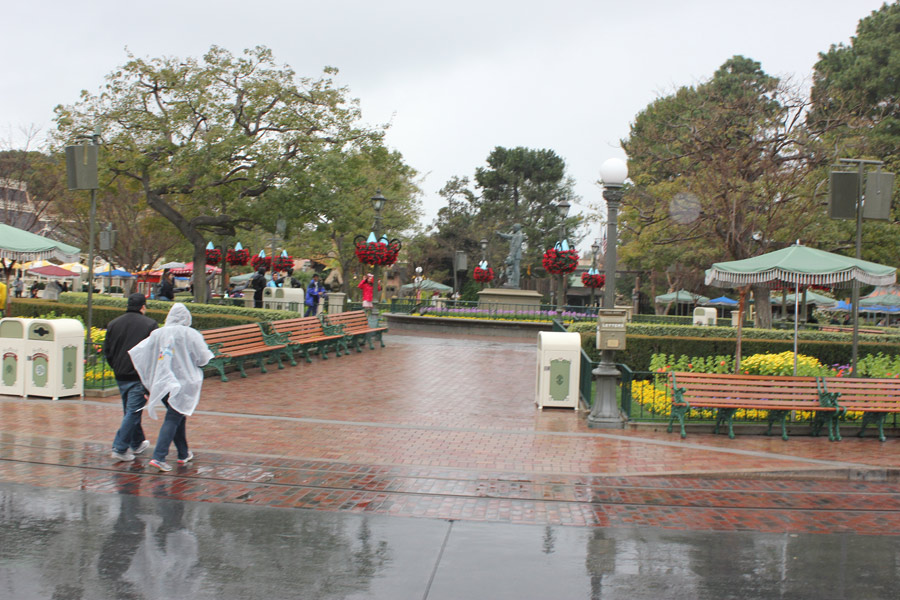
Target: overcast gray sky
455,78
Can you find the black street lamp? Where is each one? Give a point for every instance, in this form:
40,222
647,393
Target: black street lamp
563,209
378,202
605,410
484,244
595,250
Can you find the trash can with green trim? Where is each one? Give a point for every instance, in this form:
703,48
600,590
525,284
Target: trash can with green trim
12,356
559,369
54,358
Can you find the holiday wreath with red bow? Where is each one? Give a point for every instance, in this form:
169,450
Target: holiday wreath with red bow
594,280
377,253
213,256
237,258
260,261
483,275
560,261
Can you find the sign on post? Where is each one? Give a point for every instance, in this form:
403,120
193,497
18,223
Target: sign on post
843,190
877,203
81,166
611,328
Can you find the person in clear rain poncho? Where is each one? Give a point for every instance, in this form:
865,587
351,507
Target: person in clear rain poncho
170,363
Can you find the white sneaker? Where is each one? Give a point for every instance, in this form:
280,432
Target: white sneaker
140,449
123,456
187,459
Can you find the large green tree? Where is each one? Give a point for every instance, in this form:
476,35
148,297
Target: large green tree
856,90
517,185
205,139
336,204
722,171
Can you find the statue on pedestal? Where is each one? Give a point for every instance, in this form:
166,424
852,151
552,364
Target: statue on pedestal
514,258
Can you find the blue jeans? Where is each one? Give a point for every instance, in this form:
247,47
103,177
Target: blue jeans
130,434
173,429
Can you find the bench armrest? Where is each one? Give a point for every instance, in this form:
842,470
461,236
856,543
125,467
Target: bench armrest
333,329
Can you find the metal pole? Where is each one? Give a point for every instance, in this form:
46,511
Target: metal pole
90,298
605,411
855,296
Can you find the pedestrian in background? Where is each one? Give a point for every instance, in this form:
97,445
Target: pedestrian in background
313,292
258,283
19,286
122,334
367,285
167,286
3,294
170,363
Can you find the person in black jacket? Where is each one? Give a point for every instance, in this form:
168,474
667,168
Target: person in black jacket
167,286
258,283
122,334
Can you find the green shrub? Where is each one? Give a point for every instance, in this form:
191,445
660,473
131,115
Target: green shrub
104,311
644,340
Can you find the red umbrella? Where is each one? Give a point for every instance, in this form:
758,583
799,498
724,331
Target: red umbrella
54,271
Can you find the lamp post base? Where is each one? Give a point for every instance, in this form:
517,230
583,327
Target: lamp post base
605,411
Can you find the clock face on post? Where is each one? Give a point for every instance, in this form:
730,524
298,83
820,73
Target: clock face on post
684,208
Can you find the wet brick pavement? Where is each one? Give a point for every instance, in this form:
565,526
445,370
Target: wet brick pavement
434,426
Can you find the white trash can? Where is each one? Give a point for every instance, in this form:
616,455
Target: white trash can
559,369
54,358
12,356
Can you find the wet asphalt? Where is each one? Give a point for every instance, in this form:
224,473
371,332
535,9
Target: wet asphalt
68,545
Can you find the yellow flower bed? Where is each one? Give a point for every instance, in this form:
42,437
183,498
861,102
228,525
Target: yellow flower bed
656,399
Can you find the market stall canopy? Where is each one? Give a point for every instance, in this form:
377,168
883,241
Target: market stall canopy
172,265
426,285
188,269
681,297
721,301
75,267
22,246
811,298
884,296
53,272
799,265
114,273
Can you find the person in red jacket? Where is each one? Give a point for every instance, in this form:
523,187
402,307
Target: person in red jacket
367,285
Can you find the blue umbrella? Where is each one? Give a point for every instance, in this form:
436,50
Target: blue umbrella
114,273
722,301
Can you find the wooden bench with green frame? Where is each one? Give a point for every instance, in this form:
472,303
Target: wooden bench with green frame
728,393
305,332
355,324
876,398
239,343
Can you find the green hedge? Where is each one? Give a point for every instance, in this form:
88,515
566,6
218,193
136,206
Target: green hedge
104,312
253,314
643,341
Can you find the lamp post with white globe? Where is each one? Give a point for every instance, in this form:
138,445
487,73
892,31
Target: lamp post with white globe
605,410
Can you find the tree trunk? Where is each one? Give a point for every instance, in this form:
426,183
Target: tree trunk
761,296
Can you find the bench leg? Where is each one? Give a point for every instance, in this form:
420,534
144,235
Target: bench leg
380,339
240,366
878,419
261,363
778,415
323,354
219,365
834,433
276,357
369,340
290,354
725,415
678,412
